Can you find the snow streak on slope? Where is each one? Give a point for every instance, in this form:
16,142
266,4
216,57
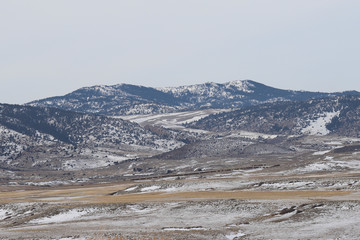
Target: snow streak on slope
171,120
318,126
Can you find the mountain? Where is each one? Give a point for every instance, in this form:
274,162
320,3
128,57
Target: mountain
125,99
121,99
237,94
32,135
333,115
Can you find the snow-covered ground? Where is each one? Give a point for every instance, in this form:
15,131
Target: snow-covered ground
329,165
206,185
251,135
232,236
100,160
49,183
298,185
211,219
3,213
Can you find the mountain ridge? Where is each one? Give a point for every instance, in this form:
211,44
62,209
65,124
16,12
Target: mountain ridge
127,99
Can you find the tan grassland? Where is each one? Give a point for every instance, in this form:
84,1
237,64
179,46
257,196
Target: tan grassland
102,194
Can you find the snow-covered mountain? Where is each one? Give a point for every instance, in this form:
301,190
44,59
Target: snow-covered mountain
236,94
333,115
125,99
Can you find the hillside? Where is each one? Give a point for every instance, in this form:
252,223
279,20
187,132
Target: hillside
40,134
334,115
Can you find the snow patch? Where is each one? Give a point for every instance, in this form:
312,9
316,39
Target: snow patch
3,214
70,215
99,160
184,229
321,152
287,185
329,165
71,238
49,183
151,188
251,135
318,126
131,189
139,209
281,217
236,235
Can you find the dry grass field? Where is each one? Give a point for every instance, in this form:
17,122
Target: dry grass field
102,195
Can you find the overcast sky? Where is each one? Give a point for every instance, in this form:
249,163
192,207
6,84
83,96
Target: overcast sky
50,48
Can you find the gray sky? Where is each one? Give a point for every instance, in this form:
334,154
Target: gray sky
50,48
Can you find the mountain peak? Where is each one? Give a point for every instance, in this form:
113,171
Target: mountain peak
104,90
241,85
